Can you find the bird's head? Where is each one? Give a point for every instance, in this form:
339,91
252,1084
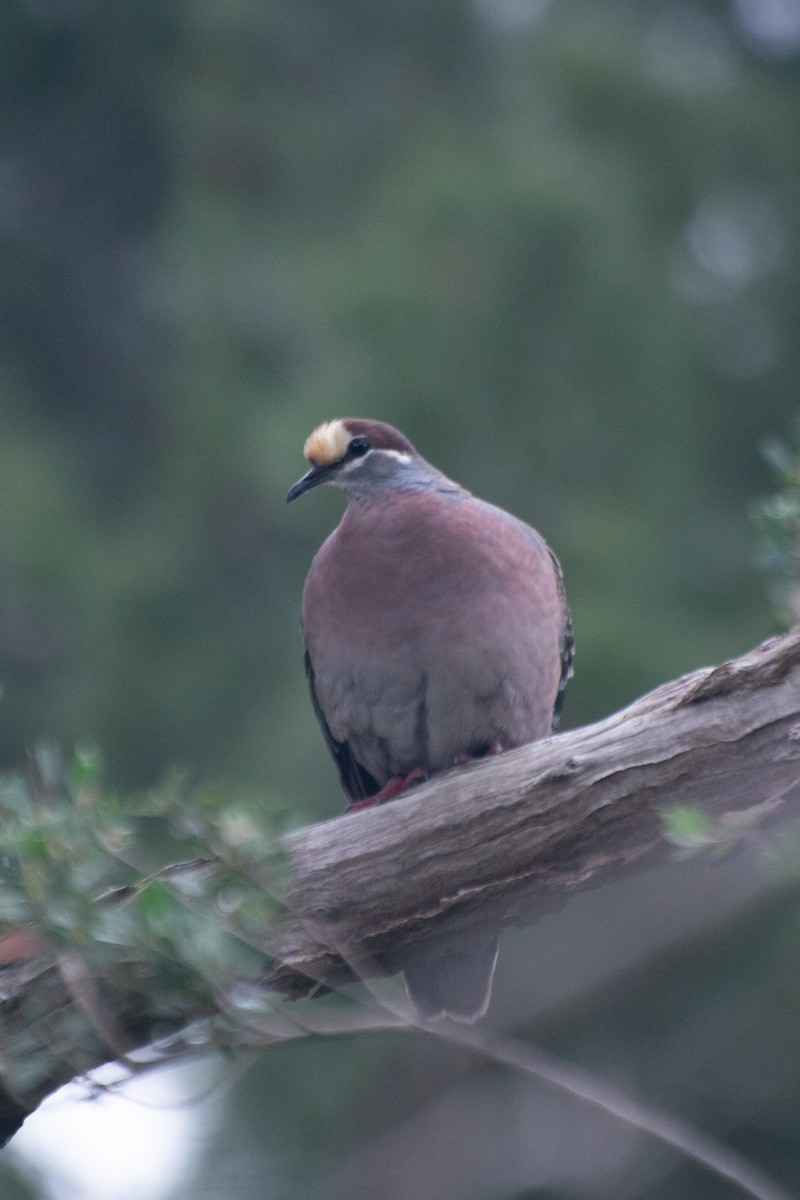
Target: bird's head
359,457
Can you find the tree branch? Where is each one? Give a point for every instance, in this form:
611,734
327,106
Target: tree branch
498,841
508,838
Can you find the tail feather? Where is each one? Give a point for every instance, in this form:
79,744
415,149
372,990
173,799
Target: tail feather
456,985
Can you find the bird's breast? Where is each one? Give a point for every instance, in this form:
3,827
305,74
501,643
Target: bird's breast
432,627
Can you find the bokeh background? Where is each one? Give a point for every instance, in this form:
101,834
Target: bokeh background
557,244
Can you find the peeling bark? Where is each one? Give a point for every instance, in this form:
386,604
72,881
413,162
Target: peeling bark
505,839
496,842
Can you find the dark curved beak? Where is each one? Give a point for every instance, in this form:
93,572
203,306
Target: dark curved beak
310,480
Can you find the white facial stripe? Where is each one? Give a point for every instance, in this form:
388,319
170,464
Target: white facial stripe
355,463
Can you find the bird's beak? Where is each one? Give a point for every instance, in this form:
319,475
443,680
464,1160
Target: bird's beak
311,478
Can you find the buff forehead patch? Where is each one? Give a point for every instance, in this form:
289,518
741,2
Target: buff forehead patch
326,444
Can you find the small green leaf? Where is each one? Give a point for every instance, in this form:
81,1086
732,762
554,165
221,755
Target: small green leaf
157,907
688,828
87,765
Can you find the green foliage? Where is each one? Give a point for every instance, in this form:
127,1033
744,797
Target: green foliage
688,828
96,879
693,832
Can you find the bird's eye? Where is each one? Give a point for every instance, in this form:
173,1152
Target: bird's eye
358,447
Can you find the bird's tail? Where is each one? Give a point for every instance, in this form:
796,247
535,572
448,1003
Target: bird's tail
456,985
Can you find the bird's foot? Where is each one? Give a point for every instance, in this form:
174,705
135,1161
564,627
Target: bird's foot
392,788
489,752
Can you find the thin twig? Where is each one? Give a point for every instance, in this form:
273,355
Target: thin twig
682,1136
690,1141
83,990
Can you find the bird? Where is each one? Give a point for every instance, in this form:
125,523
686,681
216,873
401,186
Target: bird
436,631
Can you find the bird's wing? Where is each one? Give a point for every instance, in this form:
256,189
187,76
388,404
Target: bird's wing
356,781
566,641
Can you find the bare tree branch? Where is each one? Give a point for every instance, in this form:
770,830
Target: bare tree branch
508,838
499,841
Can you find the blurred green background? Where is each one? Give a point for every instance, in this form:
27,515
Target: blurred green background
558,245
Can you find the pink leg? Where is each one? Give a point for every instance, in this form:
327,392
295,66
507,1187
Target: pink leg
392,788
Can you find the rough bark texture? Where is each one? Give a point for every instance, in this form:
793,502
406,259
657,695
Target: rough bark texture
499,841
508,838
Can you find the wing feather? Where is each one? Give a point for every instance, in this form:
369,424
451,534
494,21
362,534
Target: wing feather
356,781
566,642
